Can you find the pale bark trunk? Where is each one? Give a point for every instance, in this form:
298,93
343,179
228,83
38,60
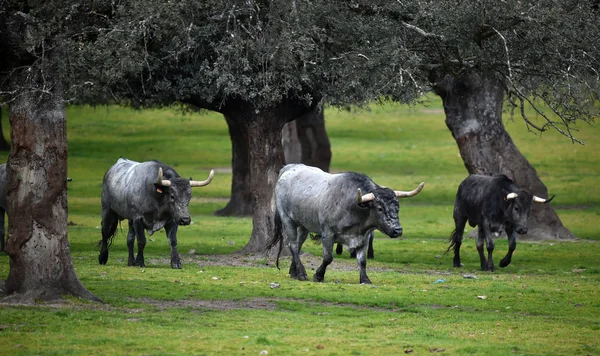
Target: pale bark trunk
40,262
473,108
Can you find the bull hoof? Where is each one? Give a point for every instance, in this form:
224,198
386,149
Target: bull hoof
102,261
366,281
131,262
302,277
176,265
318,279
504,263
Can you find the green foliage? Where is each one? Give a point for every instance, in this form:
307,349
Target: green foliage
545,302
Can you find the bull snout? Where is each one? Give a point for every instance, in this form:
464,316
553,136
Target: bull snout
397,232
521,230
186,220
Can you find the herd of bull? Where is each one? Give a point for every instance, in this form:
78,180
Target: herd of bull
342,208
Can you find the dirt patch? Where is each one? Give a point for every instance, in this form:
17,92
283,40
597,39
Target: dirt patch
256,303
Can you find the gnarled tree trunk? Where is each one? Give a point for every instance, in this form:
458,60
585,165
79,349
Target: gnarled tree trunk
473,108
40,262
239,203
304,141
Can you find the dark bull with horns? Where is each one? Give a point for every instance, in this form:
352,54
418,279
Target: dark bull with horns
150,195
340,208
495,204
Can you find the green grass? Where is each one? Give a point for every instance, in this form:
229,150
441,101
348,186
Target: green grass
545,302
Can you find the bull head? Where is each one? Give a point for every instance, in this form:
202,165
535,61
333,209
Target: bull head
536,199
193,183
400,194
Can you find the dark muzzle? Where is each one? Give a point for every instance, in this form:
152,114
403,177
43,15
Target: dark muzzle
521,230
397,232
186,220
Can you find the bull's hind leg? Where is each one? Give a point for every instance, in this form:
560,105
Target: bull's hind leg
171,229
327,240
138,227
512,245
295,237
110,221
130,244
457,237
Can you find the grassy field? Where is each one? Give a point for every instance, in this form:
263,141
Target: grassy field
544,303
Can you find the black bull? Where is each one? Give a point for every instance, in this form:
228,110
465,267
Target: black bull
333,206
495,204
151,195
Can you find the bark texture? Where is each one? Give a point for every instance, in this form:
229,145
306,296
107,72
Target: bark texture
304,140
239,203
473,108
40,262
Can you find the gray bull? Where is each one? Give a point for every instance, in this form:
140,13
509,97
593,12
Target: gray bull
495,204
151,195
333,206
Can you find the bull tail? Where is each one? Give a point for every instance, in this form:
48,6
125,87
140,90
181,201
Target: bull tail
112,225
454,236
276,238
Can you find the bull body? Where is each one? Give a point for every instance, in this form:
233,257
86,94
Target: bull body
306,199
139,193
494,204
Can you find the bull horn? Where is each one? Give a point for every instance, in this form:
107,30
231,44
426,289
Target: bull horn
201,183
542,200
364,198
161,181
510,196
401,194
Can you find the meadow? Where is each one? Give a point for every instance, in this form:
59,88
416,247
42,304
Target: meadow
220,302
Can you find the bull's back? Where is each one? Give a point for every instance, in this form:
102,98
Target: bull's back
478,192
301,193
121,184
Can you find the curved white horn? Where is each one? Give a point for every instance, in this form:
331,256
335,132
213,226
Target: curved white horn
364,198
542,200
196,183
510,196
161,181
401,194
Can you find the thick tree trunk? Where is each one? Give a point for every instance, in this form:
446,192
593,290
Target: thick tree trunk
4,146
239,203
40,263
473,107
304,140
314,142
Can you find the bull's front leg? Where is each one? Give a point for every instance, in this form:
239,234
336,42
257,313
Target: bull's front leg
138,226
512,245
130,244
361,257
171,230
481,235
327,257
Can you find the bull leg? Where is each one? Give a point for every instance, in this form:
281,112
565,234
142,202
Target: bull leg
130,244
339,249
361,254
294,243
457,237
512,245
171,229
138,226
327,241
489,239
109,226
2,231
370,251
480,242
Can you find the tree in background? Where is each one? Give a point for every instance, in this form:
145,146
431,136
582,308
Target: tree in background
261,64
31,84
487,56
